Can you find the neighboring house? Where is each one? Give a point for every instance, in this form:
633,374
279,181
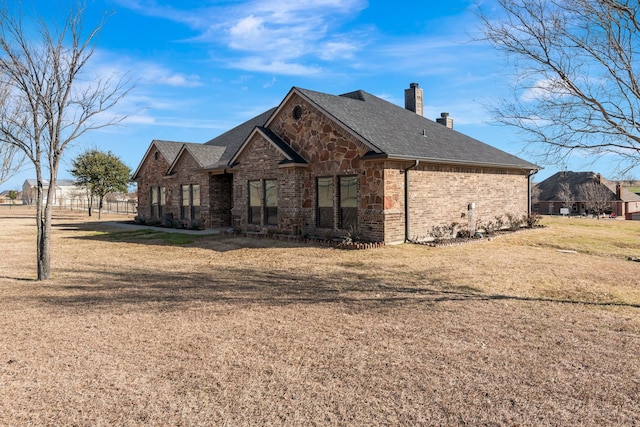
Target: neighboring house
5,197
549,199
65,190
324,165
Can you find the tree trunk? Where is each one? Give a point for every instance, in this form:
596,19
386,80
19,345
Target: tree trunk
100,208
43,225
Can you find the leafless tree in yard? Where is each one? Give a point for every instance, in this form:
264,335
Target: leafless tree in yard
565,195
596,196
50,102
11,157
577,75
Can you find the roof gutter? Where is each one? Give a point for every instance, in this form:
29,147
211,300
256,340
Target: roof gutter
384,156
407,216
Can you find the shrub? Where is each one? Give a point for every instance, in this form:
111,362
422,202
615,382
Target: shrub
533,220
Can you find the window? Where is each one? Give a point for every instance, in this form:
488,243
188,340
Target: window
348,202
153,196
195,201
162,201
190,205
324,216
271,202
185,202
254,202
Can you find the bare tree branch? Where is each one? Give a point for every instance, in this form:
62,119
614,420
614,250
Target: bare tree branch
576,66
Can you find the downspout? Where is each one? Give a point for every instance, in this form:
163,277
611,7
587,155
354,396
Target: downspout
407,227
531,173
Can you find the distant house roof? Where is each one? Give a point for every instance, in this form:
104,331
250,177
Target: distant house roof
45,183
549,189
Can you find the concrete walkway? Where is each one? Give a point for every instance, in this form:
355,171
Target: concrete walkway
130,226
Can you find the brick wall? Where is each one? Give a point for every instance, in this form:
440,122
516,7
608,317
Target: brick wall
187,172
259,161
220,200
440,195
151,174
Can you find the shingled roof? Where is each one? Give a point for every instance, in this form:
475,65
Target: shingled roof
549,189
204,155
395,132
389,130
234,138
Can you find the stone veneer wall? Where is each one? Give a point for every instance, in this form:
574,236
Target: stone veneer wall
331,152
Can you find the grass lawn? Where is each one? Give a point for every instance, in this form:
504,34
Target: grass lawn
540,327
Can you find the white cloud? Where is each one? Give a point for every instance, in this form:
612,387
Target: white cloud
277,35
338,50
275,67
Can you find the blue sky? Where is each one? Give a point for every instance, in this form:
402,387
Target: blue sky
205,66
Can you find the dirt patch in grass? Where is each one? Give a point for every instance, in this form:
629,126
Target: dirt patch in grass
232,331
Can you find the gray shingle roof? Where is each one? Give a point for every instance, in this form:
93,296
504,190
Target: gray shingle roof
395,132
168,149
205,155
549,189
233,139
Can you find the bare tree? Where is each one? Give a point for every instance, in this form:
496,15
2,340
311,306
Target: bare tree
11,160
565,196
11,157
597,197
48,104
577,84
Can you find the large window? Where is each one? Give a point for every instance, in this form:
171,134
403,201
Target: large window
254,202
324,192
162,201
190,202
271,202
185,201
348,202
263,202
195,202
153,196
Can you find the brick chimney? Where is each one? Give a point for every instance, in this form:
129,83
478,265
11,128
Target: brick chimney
444,119
413,99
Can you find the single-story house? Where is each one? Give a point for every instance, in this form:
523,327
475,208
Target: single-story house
550,200
65,190
323,165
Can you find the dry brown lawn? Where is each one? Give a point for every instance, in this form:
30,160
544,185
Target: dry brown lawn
133,330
